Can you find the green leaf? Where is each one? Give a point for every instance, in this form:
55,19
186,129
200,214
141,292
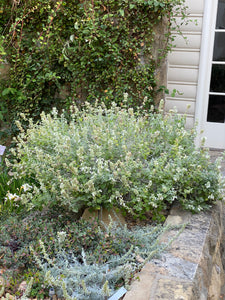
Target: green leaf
121,11
8,91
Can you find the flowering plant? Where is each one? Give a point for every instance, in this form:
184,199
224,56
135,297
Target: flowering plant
137,161
12,200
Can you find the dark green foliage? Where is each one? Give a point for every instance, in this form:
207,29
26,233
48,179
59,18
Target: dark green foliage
68,51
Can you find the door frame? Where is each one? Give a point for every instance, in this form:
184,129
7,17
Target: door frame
205,65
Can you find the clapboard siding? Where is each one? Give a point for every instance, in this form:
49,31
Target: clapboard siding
183,74
184,58
184,90
195,6
188,41
185,107
190,122
183,63
191,25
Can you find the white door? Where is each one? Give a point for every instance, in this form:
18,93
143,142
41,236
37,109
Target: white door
211,89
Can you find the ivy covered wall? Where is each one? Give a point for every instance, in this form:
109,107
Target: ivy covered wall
61,52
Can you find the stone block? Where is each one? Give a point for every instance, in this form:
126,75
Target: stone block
104,215
142,286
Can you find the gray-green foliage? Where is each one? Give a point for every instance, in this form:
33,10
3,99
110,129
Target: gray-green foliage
82,278
138,161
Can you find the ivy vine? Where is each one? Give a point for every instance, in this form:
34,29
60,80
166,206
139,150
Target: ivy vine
67,51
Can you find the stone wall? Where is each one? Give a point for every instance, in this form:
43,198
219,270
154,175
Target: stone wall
193,267
160,43
4,69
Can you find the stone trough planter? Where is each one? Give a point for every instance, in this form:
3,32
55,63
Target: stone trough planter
192,268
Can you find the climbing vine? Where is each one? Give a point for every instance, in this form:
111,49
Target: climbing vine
61,52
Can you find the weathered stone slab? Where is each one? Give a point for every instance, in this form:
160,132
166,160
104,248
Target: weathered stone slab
142,287
176,267
167,289
105,216
193,268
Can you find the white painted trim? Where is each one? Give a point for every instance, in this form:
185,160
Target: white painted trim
207,42
184,33
183,67
218,62
191,15
181,99
182,83
216,93
185,50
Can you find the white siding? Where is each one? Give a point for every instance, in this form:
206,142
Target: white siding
183,74
195,6
182,106
184,58
183,63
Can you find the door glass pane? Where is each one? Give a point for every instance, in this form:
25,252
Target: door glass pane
219,47
220,21
216,105
218,79
216,109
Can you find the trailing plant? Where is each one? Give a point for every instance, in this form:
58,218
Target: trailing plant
106,157
20,231
61,52
15,240
60,234
82,278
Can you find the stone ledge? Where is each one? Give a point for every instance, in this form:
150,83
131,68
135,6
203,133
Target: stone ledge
192,268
